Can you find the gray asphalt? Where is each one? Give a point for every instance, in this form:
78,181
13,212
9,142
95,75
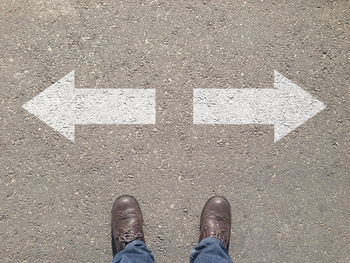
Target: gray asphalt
290,199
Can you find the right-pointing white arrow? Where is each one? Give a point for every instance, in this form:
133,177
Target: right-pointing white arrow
287,106
61,106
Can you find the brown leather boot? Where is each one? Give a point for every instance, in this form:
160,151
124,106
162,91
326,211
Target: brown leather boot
216,220
126,222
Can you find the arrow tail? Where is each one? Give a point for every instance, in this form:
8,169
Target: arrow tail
232,106
115,106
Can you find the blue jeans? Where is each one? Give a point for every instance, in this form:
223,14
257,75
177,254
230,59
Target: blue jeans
209,250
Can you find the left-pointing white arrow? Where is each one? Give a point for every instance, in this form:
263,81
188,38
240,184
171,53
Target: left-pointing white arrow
62,106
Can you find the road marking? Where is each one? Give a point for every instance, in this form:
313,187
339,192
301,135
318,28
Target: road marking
61,106
286,106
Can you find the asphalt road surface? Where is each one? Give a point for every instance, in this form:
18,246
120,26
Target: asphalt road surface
290,199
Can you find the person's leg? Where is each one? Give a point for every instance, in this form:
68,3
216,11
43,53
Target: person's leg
210,250
215,229
134,252
128,242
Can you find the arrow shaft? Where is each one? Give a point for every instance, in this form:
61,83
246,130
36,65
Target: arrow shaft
114,106
233,106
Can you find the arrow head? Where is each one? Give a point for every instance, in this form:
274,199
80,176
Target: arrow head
294,106
55,106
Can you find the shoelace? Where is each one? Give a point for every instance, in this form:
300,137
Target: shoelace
129,236
217,235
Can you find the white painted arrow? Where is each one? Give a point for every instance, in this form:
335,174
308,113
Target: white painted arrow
62,106
287,106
